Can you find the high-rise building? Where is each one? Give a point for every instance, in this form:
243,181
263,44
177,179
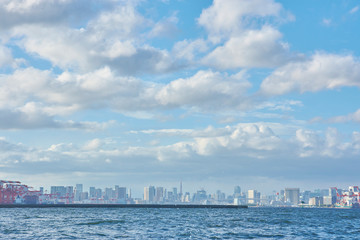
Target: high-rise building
98,193
159,195
120,193
59,191
237,191
149,194
333,192
69,191
108,194
175,193
252,196
78,191
292,195
92,192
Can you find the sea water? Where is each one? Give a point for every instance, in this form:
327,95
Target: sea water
140,223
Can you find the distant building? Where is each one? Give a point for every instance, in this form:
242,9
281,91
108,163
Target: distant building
329,200
316,201
237,191
78,191
149,194
59,191
108,194
175,194
333,191
292,195
252,197
92,192
159,195
200,196
120,193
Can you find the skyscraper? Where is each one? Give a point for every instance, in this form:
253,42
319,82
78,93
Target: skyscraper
252,196
149,194
292,195
237,191
175,193
78,191
159,195
92,192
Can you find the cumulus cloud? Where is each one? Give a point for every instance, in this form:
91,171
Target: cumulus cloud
352,117
165,27
206,89
25,12
29,117
246,36
321,71
330,145
253,48
68,92
6,58
228,17
257,141
108,40
189,49
242,146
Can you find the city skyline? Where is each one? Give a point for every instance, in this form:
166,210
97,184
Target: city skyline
213,93
15,192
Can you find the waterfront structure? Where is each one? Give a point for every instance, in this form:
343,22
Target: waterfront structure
159,195
120,194
292,195
78,191
59,191
252,196
149,194
316,201
237,191
13,192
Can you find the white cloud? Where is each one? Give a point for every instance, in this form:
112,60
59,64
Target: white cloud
93,144
227,17
312,144
321,71
6,58
206,89
354,10
326,21
253,48
244,147
352,117
46,12
63,94
188,49
287,105
30,117
109,39
165,27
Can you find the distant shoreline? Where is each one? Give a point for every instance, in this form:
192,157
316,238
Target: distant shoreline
119,206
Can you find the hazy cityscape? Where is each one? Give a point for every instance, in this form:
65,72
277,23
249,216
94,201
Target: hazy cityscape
14,192
179,119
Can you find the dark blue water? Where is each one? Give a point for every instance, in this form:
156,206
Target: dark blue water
115,223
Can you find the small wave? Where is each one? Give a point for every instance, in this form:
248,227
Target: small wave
101,222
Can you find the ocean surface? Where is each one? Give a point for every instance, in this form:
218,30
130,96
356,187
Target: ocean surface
134,223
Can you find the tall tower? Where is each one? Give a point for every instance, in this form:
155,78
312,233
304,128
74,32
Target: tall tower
180,187
149,194
292,195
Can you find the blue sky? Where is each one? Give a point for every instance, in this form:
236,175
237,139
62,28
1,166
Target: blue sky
263,94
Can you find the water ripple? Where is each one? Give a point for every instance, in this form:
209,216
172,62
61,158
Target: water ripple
111,223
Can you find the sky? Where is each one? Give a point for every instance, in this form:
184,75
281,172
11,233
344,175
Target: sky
263,94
